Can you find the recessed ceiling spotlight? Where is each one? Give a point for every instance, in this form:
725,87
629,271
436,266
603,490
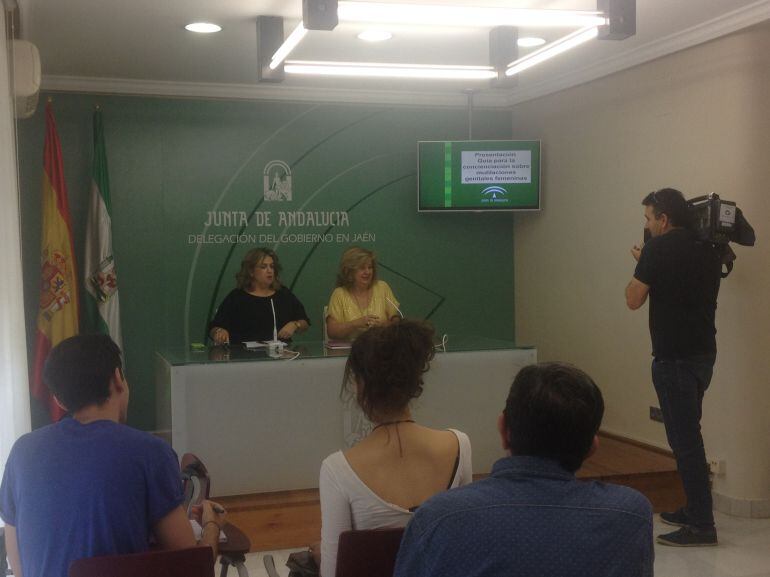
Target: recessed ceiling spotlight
374,35
203,27
530,42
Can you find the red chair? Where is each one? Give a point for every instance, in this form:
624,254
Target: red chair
193,562
197,485
371,552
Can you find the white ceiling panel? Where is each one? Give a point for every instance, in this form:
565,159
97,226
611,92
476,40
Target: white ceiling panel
83,42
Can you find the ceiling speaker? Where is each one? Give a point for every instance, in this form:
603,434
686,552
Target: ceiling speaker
503,49
622,19
319,14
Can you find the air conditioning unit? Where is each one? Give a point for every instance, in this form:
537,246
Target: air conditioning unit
26,78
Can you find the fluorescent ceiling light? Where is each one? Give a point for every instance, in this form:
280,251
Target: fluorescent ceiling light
554,48
375,35
288,45
203,27
377,70
437,15
530,42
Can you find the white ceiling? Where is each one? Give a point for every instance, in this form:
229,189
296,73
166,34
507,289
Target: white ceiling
140,46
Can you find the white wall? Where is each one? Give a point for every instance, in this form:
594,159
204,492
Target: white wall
14,396
698,120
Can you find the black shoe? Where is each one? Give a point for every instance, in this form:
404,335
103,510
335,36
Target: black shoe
676,518
690,537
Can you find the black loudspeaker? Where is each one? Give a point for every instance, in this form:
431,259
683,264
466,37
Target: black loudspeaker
503,49
319,14
622,19
269,39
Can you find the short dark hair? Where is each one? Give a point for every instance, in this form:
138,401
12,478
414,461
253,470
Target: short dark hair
671,202
78,370
553,411
388,363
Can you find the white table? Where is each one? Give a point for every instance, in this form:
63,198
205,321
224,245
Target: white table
265,425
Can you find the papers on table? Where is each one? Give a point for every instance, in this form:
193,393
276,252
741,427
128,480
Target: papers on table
338,344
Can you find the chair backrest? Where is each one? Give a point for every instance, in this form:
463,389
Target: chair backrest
195,481
197,487
323,323
371,552
192,562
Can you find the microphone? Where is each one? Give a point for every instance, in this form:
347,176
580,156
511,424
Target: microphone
395,307
275,324
275,347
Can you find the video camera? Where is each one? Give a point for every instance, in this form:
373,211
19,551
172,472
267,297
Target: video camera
719,222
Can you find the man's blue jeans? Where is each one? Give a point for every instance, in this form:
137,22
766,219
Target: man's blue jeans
680,385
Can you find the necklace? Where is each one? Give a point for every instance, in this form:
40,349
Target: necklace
392,423
366,298
398,435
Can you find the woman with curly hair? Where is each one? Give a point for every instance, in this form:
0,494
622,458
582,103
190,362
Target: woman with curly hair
381,480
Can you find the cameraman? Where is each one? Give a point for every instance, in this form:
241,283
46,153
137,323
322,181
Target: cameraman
681,276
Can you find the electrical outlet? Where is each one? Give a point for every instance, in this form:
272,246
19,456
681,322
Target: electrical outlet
716,466
656,414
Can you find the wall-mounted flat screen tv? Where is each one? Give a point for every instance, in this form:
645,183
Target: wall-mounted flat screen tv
478,175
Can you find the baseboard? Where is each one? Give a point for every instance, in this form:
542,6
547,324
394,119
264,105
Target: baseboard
737,507
747,508
641,444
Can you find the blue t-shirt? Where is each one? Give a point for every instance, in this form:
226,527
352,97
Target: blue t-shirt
74,491
530,518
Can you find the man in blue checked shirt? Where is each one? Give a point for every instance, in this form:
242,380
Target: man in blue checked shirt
531,516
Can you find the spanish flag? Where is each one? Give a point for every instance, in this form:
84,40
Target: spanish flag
57,317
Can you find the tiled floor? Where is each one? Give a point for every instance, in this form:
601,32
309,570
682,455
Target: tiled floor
256,566
743,551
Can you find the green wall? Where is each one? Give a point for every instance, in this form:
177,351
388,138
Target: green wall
173,161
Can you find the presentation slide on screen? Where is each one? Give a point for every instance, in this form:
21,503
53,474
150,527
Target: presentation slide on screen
496,167
479,175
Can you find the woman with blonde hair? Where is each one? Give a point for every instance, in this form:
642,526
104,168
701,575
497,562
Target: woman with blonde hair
360,300
246,313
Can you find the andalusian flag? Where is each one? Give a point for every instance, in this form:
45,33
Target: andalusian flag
57,318
101,281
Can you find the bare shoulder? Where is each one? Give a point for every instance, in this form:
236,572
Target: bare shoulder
445,439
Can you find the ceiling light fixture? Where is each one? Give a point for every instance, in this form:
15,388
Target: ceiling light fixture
377,70
553,49
530,42
203,27
288,45
375,35
438,15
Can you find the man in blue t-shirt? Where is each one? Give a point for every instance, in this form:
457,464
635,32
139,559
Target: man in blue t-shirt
89,485
531,516
681,276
